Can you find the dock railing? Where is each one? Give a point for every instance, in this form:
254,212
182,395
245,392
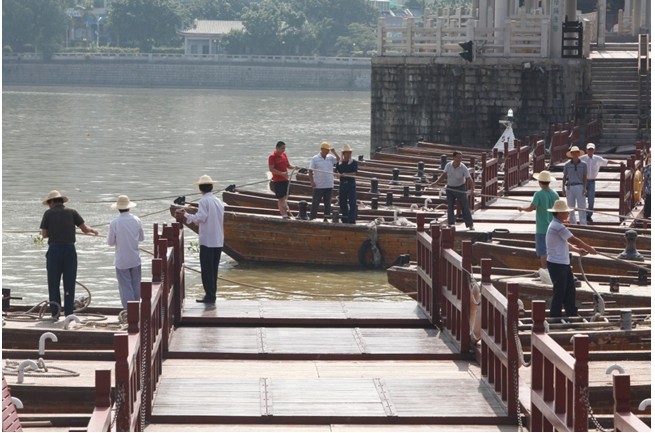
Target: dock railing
427,294
626,191
498,338
140,352
538,146
560,395
517,165
624,419
101,418
489,179
559,143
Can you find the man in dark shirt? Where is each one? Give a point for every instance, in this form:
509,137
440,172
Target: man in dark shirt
58,225
347,167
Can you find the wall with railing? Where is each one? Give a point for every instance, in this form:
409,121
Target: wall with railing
520,36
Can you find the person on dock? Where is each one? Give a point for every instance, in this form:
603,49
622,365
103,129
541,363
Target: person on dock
646,187
209,218
459,184
574,185
58,226
279,164
559,240
347,167
125,233
594,163
321,177
542,200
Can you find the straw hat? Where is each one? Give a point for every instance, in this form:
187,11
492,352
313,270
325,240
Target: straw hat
123,203
325,145
347,148
544,176
54,194
591,146
204,180
560,206
573,149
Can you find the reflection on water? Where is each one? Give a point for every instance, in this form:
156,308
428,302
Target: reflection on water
93,144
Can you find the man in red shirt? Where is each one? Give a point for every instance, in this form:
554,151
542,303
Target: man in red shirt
278,164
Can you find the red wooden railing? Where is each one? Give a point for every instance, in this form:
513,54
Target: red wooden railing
489,183
10,421
626,192
559,381
559,144
538,155
129,387
593,130
624,419
499,333
101,416
517,165
427,294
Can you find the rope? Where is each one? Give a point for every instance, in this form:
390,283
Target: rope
11,369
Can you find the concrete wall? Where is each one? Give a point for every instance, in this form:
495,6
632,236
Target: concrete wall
242,75
443,100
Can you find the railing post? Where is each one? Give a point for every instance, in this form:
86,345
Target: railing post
581,383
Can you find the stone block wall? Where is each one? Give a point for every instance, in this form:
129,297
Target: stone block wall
225,75
446,100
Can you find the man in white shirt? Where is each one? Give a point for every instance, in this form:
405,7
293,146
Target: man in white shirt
594,163
125,233
459,184
210,235
321,176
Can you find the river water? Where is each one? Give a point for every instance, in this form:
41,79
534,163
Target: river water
93,144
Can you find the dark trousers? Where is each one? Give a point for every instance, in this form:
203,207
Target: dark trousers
454,193
61,260
563,290
318,195
209,259
348,201
647,206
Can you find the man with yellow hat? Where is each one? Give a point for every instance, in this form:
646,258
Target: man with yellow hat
542,200
58,226
321,177
574,185
559,240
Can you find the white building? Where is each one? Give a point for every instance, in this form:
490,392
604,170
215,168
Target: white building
205,35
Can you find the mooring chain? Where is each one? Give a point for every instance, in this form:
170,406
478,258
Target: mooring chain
519,346
584,397
515,380
120,398
144,351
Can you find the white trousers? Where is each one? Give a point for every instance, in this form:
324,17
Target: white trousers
575,199
129,284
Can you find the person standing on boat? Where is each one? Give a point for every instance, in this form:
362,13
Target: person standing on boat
321,176
459,183
559,240
574,185
209,218
542,200
594,163
347,167
58,226
125,233
279,164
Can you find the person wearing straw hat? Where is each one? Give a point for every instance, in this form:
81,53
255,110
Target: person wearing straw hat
279,164
125,233
209,218
574,185
542,200
559,240
321,177
347,167
458,183
594,163
58,226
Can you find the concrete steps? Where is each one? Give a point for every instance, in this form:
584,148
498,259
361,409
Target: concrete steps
625,98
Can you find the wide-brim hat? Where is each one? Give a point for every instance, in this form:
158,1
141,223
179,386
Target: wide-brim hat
560,206
54,194
544,176
347,148
591,146
325,145
123,203
204,180
573,149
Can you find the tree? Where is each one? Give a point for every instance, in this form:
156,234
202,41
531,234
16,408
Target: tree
39,23
145,23
360,40
214,9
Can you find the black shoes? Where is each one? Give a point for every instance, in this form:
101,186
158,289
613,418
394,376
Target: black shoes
206,301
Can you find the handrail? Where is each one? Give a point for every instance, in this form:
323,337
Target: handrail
489,180
127,348
624,419
538,153
559,381
101,417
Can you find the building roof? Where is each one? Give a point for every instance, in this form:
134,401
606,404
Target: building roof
211,27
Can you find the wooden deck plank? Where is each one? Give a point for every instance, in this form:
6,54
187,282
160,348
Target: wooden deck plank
326,428
295,341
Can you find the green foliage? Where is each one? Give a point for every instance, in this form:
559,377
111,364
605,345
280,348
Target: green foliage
145,23
360,40
37,23
214,10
